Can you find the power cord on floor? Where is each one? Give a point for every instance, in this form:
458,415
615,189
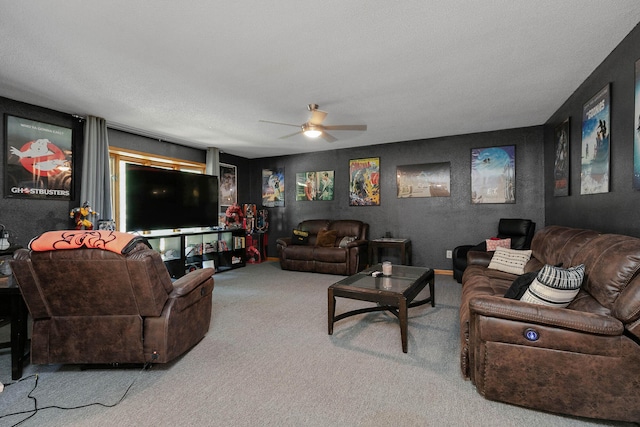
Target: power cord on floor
34,411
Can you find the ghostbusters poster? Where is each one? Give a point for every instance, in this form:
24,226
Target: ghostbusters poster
37,159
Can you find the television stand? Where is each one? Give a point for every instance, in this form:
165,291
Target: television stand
183,252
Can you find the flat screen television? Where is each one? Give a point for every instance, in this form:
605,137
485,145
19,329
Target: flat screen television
160,199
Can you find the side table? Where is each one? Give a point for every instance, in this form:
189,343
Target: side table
13,306
402,245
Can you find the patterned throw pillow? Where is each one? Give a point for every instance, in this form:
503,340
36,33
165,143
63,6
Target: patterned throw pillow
555,286
299,237
510,260
492,244
346,240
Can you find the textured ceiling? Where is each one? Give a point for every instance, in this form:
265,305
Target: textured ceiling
203,73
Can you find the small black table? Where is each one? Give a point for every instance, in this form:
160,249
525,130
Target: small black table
402,245
12,306
395,293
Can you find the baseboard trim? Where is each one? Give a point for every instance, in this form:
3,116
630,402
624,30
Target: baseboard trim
444,272
435,271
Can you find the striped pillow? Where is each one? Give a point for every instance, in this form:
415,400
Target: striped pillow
510,260
555,286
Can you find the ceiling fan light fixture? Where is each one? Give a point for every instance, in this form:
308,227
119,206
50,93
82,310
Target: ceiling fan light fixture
311,131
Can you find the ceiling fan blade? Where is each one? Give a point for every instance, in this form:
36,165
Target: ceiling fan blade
291,134
328,137
317,117
278,123
346,127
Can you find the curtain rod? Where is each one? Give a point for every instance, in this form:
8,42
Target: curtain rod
147,134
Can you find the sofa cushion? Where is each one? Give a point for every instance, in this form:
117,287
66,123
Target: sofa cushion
299,237
510,260
330,255
299,252
326,238
555,286
349,227
493,243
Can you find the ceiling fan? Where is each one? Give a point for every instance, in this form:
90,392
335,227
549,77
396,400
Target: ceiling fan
314,127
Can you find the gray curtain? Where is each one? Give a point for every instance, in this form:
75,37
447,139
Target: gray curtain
96,178
213,161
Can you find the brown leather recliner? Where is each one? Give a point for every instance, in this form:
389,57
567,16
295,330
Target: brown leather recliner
94,306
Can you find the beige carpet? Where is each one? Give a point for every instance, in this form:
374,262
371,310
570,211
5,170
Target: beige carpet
268,361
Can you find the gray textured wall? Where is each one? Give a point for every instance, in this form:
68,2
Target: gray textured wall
433,224
26,218
143,144
617,210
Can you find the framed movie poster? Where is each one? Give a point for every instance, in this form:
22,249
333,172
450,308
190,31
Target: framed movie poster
636,132
493,175
314,185
425,180
38,159
561,162
594,176
364,182
273,187
228,186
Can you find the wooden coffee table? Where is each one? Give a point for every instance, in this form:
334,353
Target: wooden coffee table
395,293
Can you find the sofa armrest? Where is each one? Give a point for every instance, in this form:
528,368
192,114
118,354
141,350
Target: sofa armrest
479,258
509,309
356,243
283,241
191,281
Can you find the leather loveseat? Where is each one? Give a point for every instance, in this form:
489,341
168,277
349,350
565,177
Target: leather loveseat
96,306
345,252
582,360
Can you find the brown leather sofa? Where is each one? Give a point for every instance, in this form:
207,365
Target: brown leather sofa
94,306
582,360
333,259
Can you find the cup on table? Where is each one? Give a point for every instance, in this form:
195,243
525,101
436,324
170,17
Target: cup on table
386,268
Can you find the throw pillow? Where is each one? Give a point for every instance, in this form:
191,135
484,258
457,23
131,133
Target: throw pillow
299,237
326,238
492,244
520,285
346,240
510,260
555,286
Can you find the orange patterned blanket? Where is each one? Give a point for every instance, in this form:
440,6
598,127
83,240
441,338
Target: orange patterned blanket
113,241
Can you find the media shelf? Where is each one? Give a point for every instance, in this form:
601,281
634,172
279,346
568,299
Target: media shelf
184,252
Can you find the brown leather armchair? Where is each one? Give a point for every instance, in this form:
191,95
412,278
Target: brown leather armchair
94,306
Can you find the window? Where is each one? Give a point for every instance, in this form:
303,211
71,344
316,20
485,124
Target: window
118,157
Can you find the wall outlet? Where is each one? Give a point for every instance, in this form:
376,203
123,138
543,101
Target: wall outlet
449,254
